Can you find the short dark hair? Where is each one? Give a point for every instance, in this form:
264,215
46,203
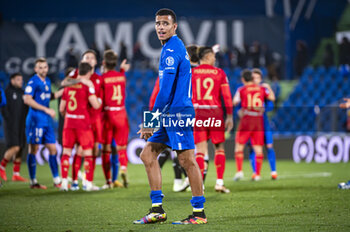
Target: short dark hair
192,51
204,51
247,75
166,11
84,68
110,58
257,71
90,51
40,60
13,75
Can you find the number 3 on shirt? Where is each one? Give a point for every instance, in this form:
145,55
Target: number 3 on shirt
72,104
208,84
117,94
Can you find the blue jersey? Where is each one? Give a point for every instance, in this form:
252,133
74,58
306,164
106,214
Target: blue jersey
175,91
41,93
174,97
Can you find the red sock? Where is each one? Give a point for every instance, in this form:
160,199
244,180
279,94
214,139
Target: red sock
76,166
106,165
94,163
219,161
259,160
239,160
88,166
123,158
64,166
16,167
200,162
4,162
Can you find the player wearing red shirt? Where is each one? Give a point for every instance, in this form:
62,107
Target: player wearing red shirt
77,124
116,123
209,84
251,126
89,56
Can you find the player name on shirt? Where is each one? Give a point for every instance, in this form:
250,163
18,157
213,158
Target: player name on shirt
205,71
114,79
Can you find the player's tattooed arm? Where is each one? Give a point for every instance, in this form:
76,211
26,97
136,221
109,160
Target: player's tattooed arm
68,81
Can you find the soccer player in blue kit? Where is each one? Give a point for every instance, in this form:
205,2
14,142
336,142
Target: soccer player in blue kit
173,103
39,124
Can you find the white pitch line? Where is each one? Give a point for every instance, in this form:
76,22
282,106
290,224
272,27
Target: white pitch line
306,175
299,175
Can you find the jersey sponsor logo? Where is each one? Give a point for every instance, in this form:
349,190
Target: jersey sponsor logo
14,96
28,89
43,96
46,88
169,61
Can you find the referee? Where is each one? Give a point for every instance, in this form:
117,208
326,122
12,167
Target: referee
14,114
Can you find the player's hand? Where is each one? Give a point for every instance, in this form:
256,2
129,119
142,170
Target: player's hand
265,85
145,133
50,112
345,104
125,66
229,123
240,113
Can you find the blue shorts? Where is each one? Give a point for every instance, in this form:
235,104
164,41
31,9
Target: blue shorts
177,137
38,134
267,131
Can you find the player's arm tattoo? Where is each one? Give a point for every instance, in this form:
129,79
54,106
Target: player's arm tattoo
69,81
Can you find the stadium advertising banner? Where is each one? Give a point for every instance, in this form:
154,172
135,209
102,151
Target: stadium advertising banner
321,149
23,42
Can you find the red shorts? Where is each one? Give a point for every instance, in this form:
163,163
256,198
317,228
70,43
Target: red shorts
251,127
84,137
116,126
214,133
97,129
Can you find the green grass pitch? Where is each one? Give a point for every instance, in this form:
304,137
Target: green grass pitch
304,198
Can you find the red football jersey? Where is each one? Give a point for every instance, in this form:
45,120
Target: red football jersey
209,84
154,94
251,97
113,85
77,114
97,81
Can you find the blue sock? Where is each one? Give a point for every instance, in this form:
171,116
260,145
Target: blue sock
252,160
198,202
53,165
271,156
157,197
115,167
31,162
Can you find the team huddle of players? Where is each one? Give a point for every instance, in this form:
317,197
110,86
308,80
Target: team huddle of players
94,110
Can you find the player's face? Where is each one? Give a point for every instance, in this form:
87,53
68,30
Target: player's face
165,27
41,69
90,58
256,78
17,81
